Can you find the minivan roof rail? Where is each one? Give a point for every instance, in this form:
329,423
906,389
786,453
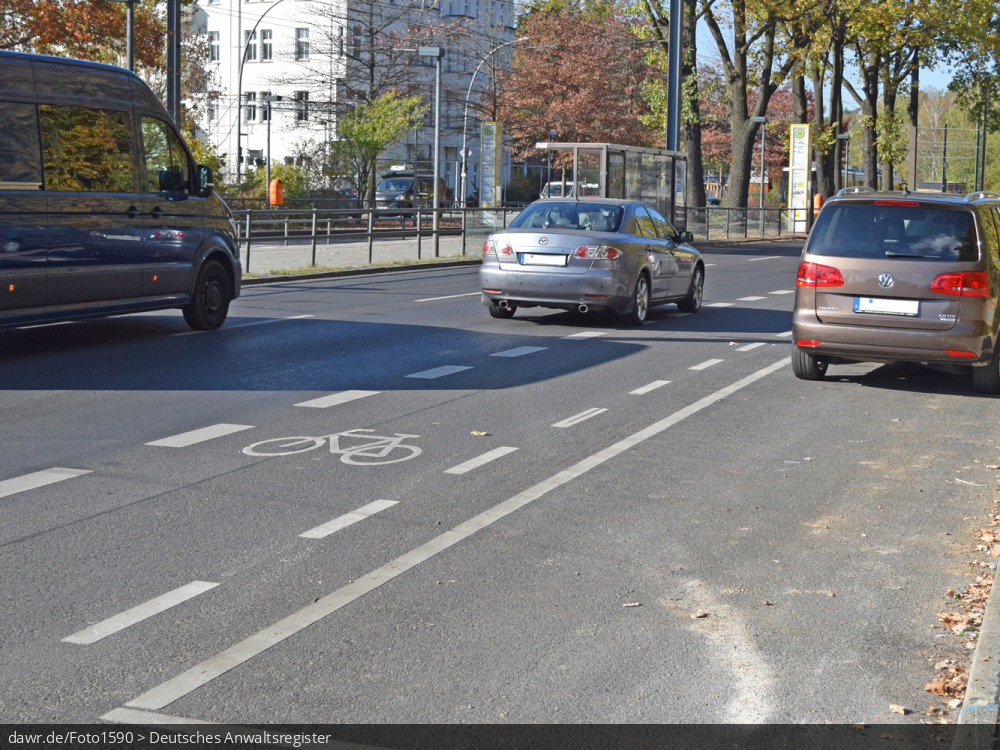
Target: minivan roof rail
854,189
979,194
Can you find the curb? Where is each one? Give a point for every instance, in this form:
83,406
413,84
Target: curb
357,272
980,710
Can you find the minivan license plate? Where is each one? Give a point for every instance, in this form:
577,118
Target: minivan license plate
907,307
542,259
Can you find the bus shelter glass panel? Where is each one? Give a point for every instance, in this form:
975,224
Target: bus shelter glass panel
561,183
680,199
633,176
652,177
616,175
588,180
664,186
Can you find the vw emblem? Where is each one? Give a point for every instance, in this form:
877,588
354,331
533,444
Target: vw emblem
885,280
543,240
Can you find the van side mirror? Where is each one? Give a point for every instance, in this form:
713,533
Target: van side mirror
206,182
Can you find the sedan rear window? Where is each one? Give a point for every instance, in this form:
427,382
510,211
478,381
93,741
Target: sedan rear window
874,230
587,217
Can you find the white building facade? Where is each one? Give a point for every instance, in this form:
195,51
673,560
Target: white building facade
322,55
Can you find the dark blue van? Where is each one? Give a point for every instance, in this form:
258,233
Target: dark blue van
102,209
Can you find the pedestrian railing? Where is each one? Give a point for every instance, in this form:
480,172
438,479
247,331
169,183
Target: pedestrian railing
720,223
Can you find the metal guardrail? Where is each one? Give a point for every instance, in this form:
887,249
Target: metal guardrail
718,223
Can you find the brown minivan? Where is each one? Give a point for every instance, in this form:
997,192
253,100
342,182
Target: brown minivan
901,277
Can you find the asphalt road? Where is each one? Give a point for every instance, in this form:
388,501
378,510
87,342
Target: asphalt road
558,580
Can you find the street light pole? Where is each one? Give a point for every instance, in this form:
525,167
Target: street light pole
847,157
437,53
267,184
129,32
763,132
548,151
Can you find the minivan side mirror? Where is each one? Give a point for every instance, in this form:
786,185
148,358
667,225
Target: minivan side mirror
206,182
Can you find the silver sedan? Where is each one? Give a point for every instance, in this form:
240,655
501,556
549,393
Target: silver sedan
591,254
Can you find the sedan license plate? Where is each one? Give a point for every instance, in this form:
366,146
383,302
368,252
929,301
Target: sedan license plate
879,306
542,259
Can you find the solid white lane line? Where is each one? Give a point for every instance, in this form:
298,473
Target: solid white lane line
475,463
709,264
201,674
783,291
786,334
586,335
46,325
39,479
333,399
247,325
148,718
342,522
520,351
751,299
750,347
137,614
438,372
720,304
647,388
200,436
769,257
707,363
447,296
577,418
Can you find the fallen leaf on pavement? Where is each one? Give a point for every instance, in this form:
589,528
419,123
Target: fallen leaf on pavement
897,709
830,593
954,703
698,615
993,466
950,592
479,434
972,484
633,604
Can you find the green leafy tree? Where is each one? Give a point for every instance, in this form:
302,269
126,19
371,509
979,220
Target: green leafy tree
369,129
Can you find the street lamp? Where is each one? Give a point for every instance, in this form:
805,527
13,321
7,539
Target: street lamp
267,185
763,127
437,53
548,152
846,137
129,31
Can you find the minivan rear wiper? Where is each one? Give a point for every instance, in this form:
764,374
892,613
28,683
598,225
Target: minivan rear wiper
891,254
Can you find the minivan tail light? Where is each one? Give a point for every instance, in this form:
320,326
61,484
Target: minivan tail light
816,275
964,284
807,342
896,203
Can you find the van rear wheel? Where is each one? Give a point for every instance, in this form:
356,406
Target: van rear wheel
807,367
987,379
210,303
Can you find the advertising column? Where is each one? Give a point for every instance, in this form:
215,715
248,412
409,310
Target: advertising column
490,165
799,177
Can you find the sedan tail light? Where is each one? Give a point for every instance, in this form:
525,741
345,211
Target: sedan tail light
965,284
487,248
505,249
816,275
596,252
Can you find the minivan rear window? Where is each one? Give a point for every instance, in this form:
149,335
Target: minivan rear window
873,230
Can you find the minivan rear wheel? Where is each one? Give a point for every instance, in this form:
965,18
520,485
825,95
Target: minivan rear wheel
807,367
210,304
987,379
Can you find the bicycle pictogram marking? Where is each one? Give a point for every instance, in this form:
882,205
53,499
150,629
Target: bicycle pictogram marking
359,447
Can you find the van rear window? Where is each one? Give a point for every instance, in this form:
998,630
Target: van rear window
870,230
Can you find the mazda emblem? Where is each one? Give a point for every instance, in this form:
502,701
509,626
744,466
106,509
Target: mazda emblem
543,240
885,280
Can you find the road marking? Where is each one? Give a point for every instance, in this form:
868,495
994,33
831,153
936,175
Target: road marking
709,264
39,479
586,335
647,388
137,614
721,304
200,436
342,522
677,314
447,296
438,372
337,398
706,364
577,418
247,325
783,291
475,463
46,325
520,351
769,257
204,672
750,347
786,334
147,718
750,299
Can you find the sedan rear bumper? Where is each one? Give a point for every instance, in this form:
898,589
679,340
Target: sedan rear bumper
596,288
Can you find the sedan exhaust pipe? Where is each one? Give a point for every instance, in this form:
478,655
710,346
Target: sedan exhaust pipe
583,308
504,305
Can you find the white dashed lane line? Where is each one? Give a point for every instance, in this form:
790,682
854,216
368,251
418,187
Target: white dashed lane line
786,334
707,363
475,463
342,522
520,351
447,296
750,347
647,388
586,335
137,614
751,299
200,436
783,291
577,418
769,257
439,372
333,399
39,479
720,304
246,325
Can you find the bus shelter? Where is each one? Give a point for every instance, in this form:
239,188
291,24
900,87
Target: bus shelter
653,175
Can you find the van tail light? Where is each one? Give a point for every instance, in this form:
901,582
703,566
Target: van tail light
965,284
815,275
596,252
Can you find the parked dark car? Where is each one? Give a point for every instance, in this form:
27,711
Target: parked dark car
406,189
102,209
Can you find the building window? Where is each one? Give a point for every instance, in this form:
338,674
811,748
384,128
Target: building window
340,40
266,45
256,156
215,49
213,110
250,106
301,106
264,108
357,41
250,39
301,44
